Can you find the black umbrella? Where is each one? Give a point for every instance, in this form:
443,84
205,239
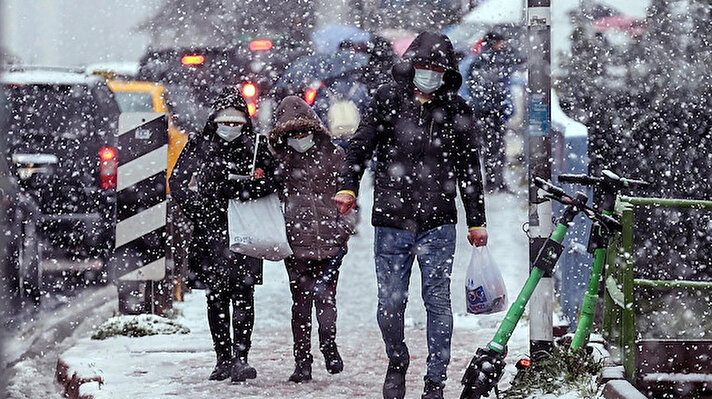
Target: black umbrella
319,67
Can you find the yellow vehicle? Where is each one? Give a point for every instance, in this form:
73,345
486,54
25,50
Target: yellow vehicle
140,96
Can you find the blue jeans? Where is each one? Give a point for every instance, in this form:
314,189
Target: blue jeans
395,252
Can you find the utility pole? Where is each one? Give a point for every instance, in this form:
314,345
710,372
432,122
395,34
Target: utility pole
539,132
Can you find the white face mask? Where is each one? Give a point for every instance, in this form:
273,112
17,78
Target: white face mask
229,133
427,81
303,144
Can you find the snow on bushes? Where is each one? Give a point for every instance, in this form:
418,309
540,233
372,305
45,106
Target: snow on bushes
138,326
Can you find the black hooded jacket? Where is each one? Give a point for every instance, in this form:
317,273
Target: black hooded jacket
211,160
424,151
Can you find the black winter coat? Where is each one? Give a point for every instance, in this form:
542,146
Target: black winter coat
424,151
211,159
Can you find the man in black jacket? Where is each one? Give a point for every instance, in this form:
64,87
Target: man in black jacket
426,147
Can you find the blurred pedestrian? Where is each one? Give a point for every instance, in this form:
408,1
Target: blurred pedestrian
309,165
202,186
489,87
340,103
424,138
381,60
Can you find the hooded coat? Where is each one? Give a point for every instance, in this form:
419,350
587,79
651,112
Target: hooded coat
211,160
424,151
315,228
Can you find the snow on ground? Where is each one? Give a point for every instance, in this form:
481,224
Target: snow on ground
32,350
178,365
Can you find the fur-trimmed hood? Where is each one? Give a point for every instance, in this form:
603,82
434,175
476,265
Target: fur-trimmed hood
294,114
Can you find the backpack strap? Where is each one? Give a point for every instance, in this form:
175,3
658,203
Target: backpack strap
352,91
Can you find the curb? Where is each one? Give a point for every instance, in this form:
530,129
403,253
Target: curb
621,389
72,385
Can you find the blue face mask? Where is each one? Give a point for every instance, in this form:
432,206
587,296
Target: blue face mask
427,81
229,133
303,144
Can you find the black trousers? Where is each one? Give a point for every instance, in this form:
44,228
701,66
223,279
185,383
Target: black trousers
313,283
242,299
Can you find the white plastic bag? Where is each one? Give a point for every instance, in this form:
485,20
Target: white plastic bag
257,228
485,291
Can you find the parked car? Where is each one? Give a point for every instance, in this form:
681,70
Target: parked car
18,247
61,146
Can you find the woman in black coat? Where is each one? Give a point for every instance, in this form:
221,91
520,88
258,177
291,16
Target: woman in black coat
203,181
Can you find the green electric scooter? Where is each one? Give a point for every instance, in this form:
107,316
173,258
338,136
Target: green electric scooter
487,366
609,186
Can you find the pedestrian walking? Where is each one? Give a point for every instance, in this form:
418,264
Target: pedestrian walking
489,86
340,102
212,169
425,142
317,232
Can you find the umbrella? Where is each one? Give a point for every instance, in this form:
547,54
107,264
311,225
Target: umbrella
401,45
328,38
401,39
624,23
319,67
478,21
493,12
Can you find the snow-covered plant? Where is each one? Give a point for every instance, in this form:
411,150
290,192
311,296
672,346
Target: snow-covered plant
138,326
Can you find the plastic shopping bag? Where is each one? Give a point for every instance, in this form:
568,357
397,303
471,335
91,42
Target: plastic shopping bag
485,291
256,228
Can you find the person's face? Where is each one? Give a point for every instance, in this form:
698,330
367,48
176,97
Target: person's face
231,124
498,45
301,134
429,67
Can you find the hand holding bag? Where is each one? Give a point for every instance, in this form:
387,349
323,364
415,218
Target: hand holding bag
485,291
256,227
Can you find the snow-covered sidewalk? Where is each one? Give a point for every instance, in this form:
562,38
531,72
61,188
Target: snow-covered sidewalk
178,365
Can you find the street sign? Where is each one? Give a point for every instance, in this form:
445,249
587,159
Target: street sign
140,246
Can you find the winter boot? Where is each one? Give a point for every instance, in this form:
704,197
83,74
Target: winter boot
241,371
221,371
394,385
334,364
302,371
433,390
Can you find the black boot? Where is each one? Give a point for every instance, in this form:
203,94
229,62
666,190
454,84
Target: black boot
241,371
221,371
394,385
433,390
334,364
302,371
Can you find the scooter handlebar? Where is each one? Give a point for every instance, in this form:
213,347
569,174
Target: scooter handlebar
610,223
583,180
607,178
550,188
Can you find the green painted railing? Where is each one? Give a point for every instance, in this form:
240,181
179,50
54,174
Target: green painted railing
620,284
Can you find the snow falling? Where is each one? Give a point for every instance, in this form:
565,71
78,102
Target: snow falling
339,199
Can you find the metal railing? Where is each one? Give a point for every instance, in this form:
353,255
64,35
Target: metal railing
620,283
